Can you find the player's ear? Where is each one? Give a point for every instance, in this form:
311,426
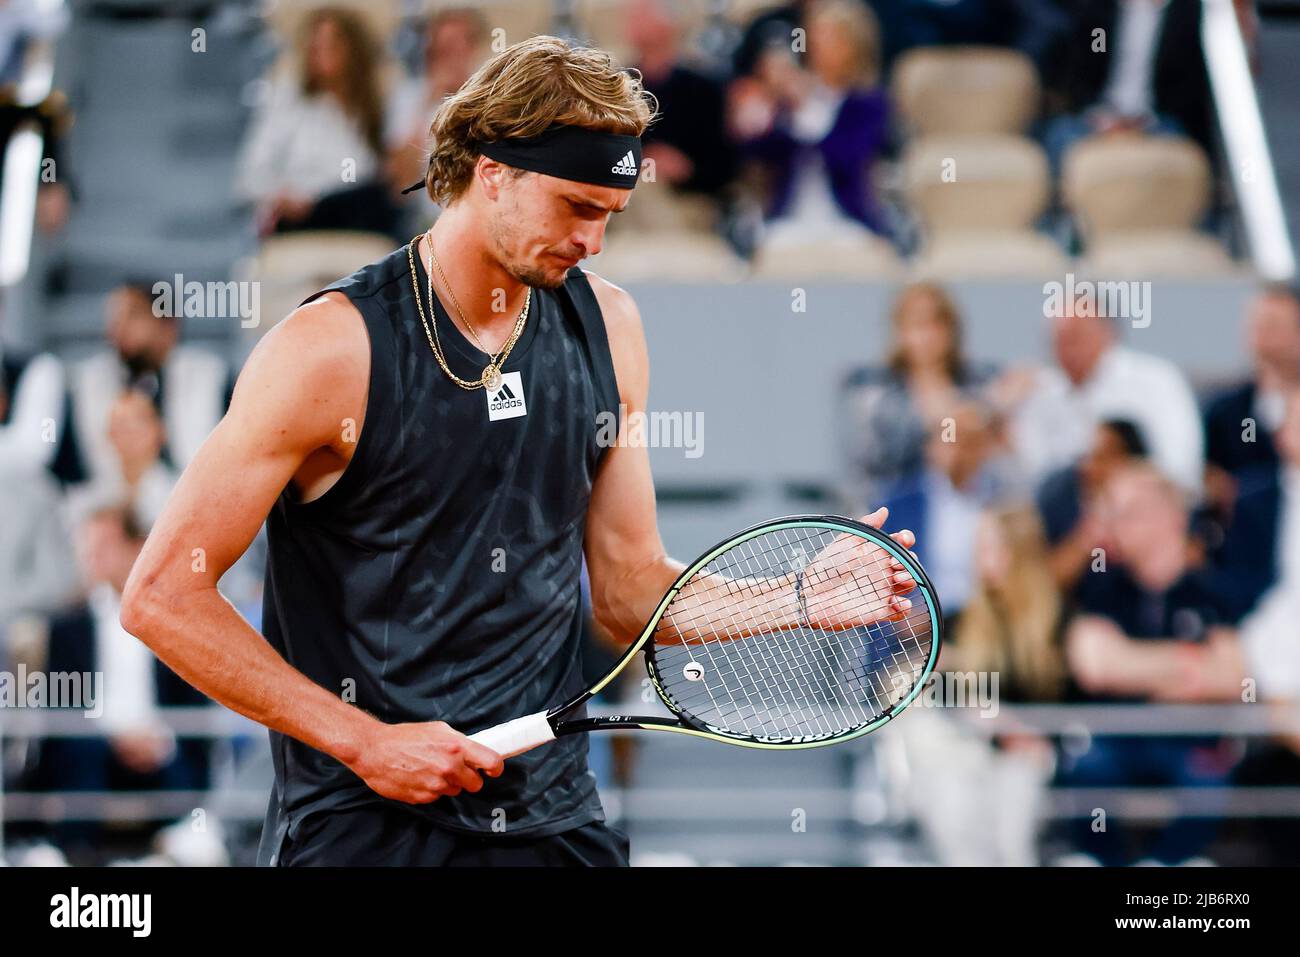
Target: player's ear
492,176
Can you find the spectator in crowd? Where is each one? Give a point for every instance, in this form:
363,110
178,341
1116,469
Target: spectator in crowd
186,386
1132,66
817,132
920,23
37,572
1266,645
34,417
1055,411
773,28
1068,499
965,473
139,751
314,153
1031,26
135,431
1155,587
454,45
1261,542
890,413
688,143
978,800
1240,421
1258,659
1014,621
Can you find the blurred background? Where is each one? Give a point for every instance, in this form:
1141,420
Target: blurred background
1022,270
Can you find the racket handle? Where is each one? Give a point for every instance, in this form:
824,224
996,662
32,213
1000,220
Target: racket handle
517,736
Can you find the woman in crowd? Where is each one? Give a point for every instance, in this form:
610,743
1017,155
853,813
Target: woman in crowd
312,159
816,132
890,413
1012,624
978,798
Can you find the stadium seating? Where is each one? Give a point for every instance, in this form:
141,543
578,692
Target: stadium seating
965,90
977,197
1138,201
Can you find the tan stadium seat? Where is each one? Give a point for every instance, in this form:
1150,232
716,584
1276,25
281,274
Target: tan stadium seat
1137,200
668,257
865,257
658,208
994,181
977,197
1159,254
989,254
965,90
1116,184
319,254
290,267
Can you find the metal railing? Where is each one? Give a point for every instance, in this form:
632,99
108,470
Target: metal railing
680,804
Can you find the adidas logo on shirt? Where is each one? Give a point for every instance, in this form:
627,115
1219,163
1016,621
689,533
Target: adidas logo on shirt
626,166
507,402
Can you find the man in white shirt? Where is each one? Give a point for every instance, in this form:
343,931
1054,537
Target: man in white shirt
1095,379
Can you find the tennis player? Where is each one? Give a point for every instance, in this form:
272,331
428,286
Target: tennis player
420,439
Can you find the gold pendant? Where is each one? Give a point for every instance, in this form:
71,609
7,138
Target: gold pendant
491,377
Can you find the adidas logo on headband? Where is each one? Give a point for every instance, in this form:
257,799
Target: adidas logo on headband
626,166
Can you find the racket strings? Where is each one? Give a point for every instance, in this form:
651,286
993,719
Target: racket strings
808,681
785,677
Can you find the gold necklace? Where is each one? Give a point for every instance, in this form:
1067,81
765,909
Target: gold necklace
454,301
491,377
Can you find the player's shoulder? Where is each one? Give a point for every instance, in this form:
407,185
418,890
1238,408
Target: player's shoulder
617,306
326,325
627,345
321,347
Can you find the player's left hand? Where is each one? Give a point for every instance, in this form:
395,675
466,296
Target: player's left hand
848,565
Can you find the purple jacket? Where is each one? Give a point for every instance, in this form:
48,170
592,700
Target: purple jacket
848,151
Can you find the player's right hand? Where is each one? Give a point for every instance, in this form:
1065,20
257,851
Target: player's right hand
419,763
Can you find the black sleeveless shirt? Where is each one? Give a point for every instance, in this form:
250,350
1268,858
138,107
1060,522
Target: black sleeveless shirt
439,578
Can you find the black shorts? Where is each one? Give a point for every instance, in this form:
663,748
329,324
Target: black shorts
379,836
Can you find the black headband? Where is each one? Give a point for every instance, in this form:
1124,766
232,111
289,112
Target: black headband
570,152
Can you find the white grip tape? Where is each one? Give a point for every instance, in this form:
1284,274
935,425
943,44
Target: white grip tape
517,736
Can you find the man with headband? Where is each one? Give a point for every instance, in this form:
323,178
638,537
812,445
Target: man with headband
422,439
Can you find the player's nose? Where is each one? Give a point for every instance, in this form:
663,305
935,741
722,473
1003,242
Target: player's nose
589,238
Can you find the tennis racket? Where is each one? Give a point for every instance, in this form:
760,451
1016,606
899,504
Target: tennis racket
796,633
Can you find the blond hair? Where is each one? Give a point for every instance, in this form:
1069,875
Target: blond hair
523,90
360,92
858,24
954,361
1013,630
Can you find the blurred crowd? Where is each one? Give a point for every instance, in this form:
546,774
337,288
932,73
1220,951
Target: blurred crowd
1097,533
89,453
797,125
1107,534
